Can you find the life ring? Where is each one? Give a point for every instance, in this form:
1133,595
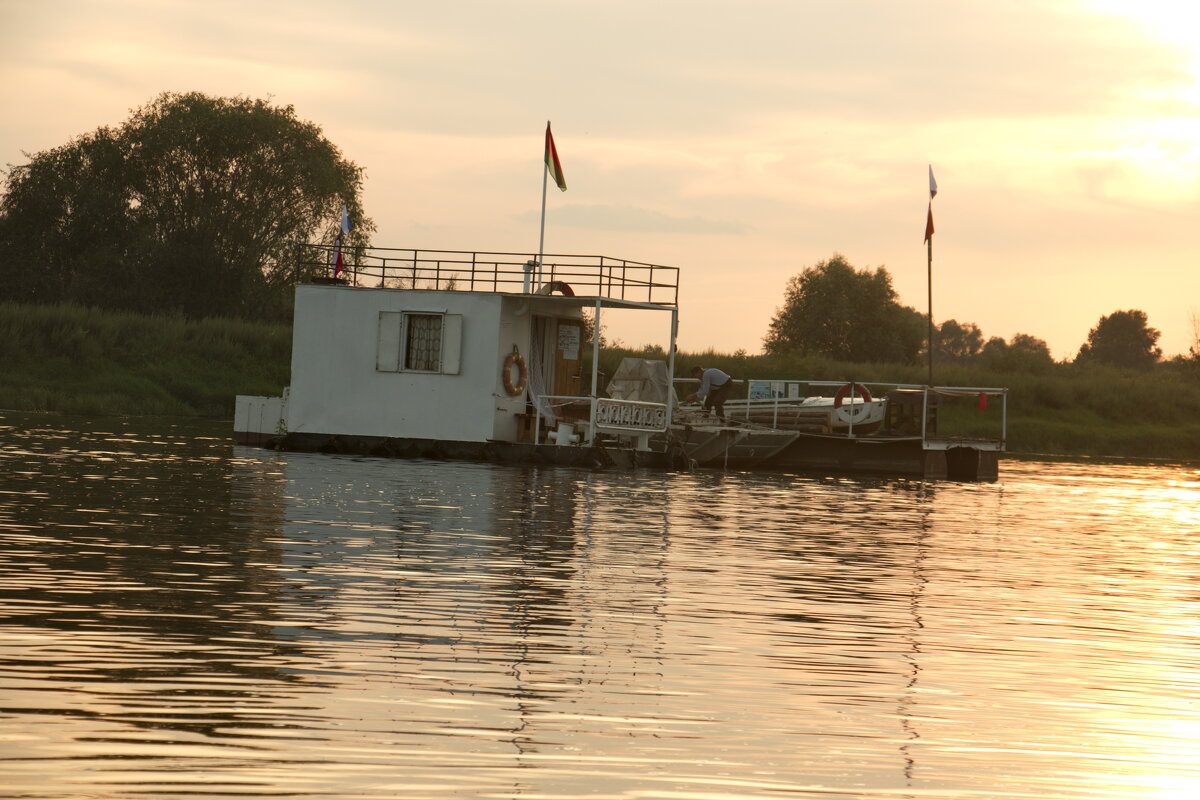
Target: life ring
515,359
859,391
557,286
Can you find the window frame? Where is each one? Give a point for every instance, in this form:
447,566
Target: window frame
394,330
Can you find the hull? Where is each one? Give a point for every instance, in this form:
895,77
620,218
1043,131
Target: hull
904,456
591,457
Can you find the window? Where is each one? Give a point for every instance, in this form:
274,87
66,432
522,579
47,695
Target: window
422,342
411,341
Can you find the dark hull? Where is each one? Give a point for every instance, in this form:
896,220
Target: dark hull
886,456
596,457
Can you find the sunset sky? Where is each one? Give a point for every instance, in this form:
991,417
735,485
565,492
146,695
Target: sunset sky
740,141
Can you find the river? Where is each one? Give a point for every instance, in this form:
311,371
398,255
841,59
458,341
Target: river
183,618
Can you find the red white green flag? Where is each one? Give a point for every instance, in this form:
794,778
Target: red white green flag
552,162
932,194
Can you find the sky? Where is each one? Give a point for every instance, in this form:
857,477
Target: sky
741,142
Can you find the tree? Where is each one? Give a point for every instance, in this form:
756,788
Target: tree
194,205
959,341
1024,353
1122,339
834,310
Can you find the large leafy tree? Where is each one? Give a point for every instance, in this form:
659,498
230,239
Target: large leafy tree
194,205
1122,339
959,340
1022,353
835,310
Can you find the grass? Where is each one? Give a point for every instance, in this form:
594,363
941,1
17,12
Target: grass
77,360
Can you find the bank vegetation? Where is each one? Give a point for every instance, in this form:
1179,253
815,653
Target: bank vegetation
75,360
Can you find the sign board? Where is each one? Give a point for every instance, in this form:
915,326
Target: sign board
568,341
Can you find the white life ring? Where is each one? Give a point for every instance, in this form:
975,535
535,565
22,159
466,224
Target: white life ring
515,359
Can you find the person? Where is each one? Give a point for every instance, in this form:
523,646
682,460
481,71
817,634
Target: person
715,387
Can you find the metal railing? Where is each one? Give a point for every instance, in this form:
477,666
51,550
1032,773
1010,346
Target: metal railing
629,417
788,393
475,271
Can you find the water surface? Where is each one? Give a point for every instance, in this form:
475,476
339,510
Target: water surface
182,618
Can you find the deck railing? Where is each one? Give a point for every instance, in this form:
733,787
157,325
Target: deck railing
607,415
475,271
777,395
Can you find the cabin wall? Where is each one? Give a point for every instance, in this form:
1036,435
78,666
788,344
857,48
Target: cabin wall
516,329
337,384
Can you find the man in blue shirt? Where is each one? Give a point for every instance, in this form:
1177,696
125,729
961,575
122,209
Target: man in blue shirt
715,387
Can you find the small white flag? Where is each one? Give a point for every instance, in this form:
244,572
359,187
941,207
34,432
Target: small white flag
932,184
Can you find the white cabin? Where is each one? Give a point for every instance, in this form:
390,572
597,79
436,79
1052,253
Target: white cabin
493,363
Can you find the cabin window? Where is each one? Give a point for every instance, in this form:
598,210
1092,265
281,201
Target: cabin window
412,341
423,342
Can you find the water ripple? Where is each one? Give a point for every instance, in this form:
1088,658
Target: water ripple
185,618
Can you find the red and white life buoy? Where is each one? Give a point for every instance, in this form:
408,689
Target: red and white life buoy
850,414
858,389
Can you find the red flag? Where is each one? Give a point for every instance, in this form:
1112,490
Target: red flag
983,401
343,228
929,224
552,162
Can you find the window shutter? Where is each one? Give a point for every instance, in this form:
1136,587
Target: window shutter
387,356
451,343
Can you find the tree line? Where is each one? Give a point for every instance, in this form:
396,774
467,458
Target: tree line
833,309
195,205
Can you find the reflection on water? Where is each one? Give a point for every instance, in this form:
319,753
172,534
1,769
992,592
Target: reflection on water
185,618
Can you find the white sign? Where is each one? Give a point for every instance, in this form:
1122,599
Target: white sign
568,341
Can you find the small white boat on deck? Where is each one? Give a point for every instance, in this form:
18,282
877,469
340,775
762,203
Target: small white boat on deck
849,409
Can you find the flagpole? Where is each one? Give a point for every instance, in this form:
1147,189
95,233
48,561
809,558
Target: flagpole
929,266
542,230
929,273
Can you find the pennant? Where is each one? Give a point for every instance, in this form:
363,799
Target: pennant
552,162
983,401
932,184
929,224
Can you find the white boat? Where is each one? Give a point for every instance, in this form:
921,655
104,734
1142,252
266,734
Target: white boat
843,408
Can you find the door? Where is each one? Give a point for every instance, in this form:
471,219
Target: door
568,347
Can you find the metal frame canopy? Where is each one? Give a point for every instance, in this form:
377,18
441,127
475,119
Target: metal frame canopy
598,303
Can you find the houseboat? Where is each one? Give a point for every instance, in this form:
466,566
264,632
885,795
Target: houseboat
471,355
488,356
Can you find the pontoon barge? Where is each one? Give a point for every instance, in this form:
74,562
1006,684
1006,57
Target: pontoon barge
473,355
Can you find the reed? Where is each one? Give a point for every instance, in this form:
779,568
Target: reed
78,360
